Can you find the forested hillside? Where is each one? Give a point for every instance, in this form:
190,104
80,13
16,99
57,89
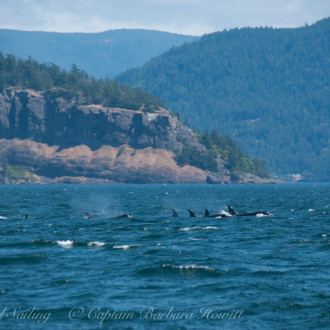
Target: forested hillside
76,84
102,54
267,88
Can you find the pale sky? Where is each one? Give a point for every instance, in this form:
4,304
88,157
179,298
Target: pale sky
192,17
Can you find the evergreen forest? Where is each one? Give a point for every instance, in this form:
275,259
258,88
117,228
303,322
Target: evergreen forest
76,84
267,88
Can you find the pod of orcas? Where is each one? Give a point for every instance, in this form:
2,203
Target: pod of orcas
207,214
232,212
193,215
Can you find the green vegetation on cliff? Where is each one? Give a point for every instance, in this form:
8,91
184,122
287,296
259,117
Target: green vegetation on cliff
267,88
15,172
74,84
227,149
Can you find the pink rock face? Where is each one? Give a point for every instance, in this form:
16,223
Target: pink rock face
111,164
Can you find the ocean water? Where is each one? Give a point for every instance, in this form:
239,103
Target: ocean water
61,270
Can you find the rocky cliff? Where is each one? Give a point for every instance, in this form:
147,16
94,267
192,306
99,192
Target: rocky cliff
60,141
32,115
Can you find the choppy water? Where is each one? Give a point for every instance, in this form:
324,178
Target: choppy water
60,270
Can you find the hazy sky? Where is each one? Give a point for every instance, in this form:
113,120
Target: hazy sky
193,17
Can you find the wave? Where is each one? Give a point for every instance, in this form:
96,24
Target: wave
26,259
191,270
190,228
96,244
197,228
125,247
189,267
66,244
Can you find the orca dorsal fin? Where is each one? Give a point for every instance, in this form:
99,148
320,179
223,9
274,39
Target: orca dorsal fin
191,213
207,213
174,214
89,216
231,210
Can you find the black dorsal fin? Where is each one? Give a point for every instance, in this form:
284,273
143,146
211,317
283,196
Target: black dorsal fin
192,214
231,210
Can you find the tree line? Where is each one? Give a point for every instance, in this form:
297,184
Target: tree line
76,84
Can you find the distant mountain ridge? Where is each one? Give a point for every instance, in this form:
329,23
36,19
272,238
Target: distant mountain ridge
267,88
103,54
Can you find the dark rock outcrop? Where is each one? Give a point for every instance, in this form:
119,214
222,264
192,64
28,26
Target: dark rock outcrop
31,115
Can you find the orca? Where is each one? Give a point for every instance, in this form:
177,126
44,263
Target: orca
192,214
89,216
220,215
231,210
121,216
174,214
207,215
248,214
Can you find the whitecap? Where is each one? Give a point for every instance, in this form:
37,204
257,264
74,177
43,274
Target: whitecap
190,228
225,213
96,243
311,210
260,215
195,239
125,247
66,244
210,227
324,235
2,217
193,266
